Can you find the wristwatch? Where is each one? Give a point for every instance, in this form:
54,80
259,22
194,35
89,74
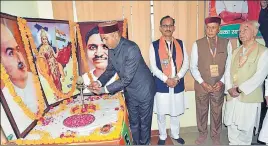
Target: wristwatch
238,90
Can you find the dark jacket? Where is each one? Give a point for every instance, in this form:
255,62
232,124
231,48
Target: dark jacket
135,77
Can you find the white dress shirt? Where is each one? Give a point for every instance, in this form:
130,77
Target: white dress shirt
194,62
231,6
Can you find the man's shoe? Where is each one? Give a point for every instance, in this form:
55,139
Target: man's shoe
201,139
161,142
180,141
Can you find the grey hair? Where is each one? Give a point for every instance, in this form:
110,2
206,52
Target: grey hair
255,24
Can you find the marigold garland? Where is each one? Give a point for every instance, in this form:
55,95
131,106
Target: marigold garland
82,52
58,93
10,87
41,105
124,33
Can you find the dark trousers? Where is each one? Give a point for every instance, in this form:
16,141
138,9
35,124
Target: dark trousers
140,119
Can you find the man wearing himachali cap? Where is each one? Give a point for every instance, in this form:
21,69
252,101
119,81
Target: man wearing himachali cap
135,78
209,58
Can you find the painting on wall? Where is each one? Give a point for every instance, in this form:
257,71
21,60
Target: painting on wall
233,13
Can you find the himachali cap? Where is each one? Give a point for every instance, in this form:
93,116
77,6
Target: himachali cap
213,20
108,27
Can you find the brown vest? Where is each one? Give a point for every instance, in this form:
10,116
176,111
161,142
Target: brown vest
205,59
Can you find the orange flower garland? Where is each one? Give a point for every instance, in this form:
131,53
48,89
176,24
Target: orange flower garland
10,87
18,100
47,77
124,33
82,52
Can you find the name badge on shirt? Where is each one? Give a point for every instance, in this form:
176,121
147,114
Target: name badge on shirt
165,62
214,70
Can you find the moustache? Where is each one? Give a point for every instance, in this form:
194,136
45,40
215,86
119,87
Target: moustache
167,31
99,57
21,65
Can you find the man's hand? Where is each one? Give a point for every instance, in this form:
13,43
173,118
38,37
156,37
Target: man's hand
218,86
171,82
233,92
94,86
99,90
207,87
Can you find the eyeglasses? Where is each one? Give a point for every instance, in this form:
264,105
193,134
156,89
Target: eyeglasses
167,26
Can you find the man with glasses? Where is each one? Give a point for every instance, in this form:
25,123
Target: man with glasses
209,57
169,63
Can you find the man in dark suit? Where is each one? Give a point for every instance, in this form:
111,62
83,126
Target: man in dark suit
135,78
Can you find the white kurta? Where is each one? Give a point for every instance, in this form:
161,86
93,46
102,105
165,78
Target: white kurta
264,131
244,114
87,80
29,97
169,103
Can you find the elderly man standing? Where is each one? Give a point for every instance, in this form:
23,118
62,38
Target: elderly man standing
169,63
208,63
135,78
244,80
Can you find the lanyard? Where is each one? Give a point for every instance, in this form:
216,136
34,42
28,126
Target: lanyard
215,51
169,51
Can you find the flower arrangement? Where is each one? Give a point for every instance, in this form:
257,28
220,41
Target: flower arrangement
88,108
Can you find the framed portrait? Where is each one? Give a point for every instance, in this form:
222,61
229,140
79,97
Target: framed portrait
22,100
53,47
233,13
93,53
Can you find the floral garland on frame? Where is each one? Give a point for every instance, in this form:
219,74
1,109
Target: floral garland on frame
10,86
41,104
58,93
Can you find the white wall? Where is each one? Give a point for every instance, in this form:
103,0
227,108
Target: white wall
20,8
44,9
